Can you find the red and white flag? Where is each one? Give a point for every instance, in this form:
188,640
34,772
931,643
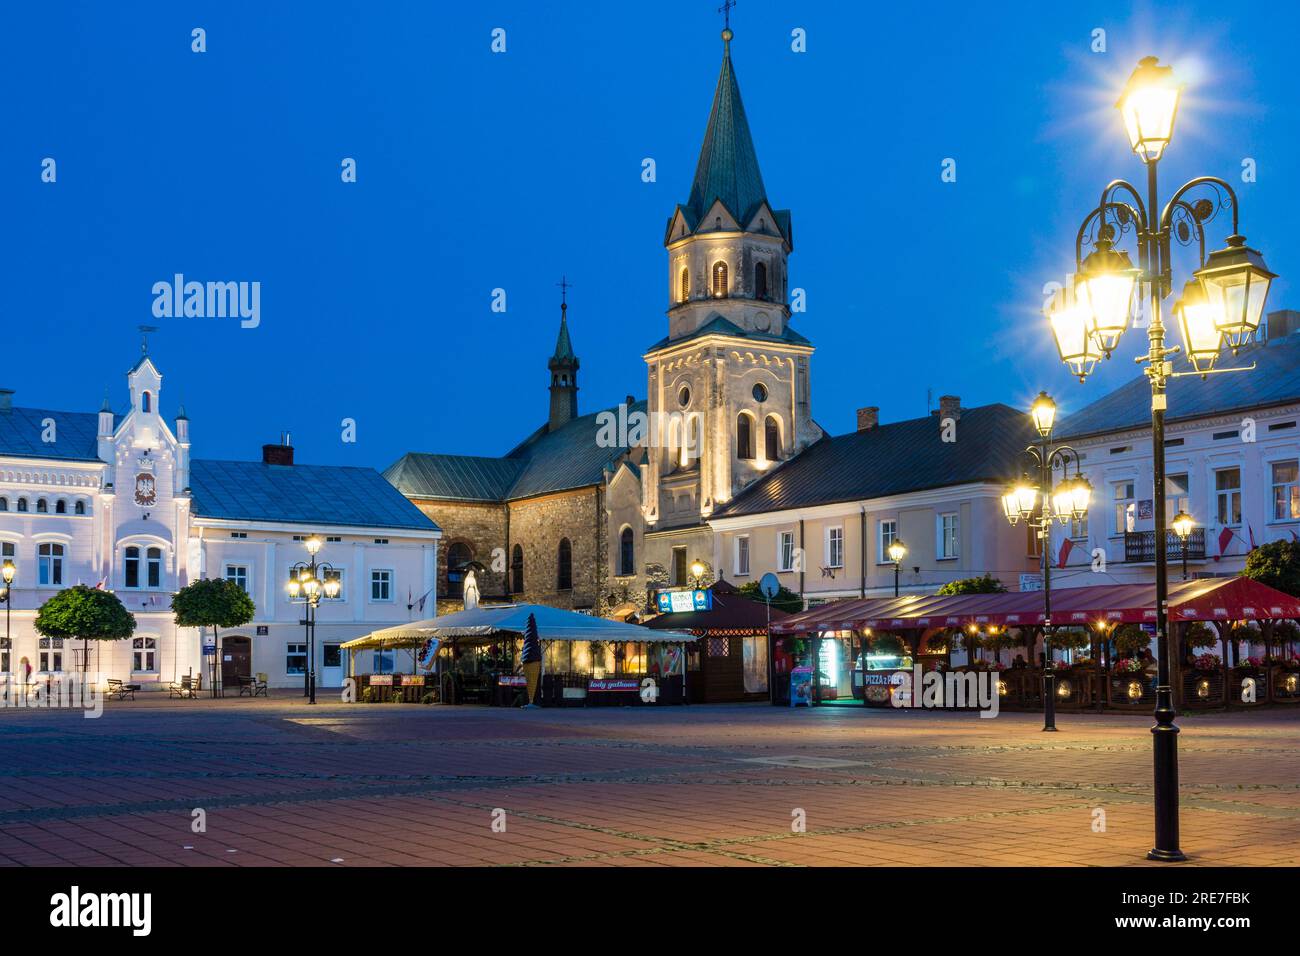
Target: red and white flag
1066,547
1251,530
1225,536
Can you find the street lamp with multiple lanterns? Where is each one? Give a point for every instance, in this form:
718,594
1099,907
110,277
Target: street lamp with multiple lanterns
308,582
897,552
6,597
1036,503
1219,307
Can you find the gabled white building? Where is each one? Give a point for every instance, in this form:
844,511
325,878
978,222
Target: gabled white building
114,501
1232,461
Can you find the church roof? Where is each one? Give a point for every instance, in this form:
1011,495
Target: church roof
717,325
563,344
893,459
728,165
569,457
301,494
76,434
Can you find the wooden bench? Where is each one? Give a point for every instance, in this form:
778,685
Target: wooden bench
120,691
187,687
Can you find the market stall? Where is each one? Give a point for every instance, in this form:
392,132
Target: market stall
476,656
729,659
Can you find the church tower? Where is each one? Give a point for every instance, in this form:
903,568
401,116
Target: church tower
564,372
730,381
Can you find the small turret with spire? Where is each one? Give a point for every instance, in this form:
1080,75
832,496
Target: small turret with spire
563,366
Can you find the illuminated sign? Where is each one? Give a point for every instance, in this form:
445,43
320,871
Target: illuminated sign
674,602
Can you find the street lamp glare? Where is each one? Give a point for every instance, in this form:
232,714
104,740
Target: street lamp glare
314,544
1011,505
1236,284
897,551
1071,322
8,572
1183,524
1044,413
1063,501
331,587
697,569
1107,278
1027,497
1081,496
293,587
1198,322
1149,105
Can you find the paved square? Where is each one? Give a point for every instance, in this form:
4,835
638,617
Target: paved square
284,784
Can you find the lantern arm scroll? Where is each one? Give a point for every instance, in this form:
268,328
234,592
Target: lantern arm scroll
1125,215
1225,197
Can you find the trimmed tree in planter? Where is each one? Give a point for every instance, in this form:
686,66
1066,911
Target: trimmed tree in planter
1130,640
214,603
86,613
984,584
785,600
1276,564
1069,639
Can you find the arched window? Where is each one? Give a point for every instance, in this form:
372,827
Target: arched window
60,507
131,568
459,556
760,280
691,441
684,291
4,504
517,570
626,554
744,436
564,566
41,506
146,402
22,504
79,508
719,279
49,565
772,439
153,567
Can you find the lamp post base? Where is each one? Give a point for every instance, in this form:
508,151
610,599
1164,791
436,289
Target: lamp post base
1167,856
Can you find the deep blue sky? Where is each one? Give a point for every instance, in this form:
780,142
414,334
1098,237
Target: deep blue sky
479,171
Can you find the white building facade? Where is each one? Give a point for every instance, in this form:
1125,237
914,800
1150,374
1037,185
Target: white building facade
1232,462
115,501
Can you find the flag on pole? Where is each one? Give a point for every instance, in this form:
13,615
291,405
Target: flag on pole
423,598
1066,547
1225,536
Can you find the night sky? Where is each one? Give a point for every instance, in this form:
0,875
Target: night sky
479,171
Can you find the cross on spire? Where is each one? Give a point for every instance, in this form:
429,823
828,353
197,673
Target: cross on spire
144,337
565,285
725,10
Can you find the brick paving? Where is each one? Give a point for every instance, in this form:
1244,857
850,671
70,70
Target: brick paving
284,784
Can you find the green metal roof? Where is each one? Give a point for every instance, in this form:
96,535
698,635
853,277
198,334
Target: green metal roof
728,166
717,325
563,344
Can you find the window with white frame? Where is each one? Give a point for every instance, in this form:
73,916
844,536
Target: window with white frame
153,559
144,655
742,555
381,585
49,565
1176,497
1125,498
1227,496
785,551
1286,490
295,659
131,567
949,529
51,655
238,573
835,547
887,534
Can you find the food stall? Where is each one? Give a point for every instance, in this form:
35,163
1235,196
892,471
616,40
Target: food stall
475,656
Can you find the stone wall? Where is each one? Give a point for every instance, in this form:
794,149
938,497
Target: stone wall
481,526
538,524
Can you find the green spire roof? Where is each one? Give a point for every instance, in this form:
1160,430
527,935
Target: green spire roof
728,167
563,345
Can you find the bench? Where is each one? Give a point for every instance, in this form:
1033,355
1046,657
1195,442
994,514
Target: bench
120,691
187,687
253,686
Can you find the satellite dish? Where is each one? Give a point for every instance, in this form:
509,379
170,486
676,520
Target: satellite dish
769,585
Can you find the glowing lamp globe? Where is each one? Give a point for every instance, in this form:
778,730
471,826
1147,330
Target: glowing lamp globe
1149,105
1236,283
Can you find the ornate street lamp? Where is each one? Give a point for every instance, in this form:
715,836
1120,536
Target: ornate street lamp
1036,505
897,552
6,596
308,582
1220,307
1183,525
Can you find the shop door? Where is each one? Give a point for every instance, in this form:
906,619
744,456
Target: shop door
331,666
236,661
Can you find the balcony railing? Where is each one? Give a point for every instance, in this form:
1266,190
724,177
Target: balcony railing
1140,546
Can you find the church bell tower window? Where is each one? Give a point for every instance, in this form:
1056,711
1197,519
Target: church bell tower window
760,280
719,279
685,289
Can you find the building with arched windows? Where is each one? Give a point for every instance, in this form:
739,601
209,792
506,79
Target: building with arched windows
113,500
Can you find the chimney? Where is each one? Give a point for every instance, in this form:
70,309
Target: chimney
630,401
281,454
1282,323
949,407
6,399
868,417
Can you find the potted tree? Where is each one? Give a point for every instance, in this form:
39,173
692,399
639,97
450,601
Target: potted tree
84,613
